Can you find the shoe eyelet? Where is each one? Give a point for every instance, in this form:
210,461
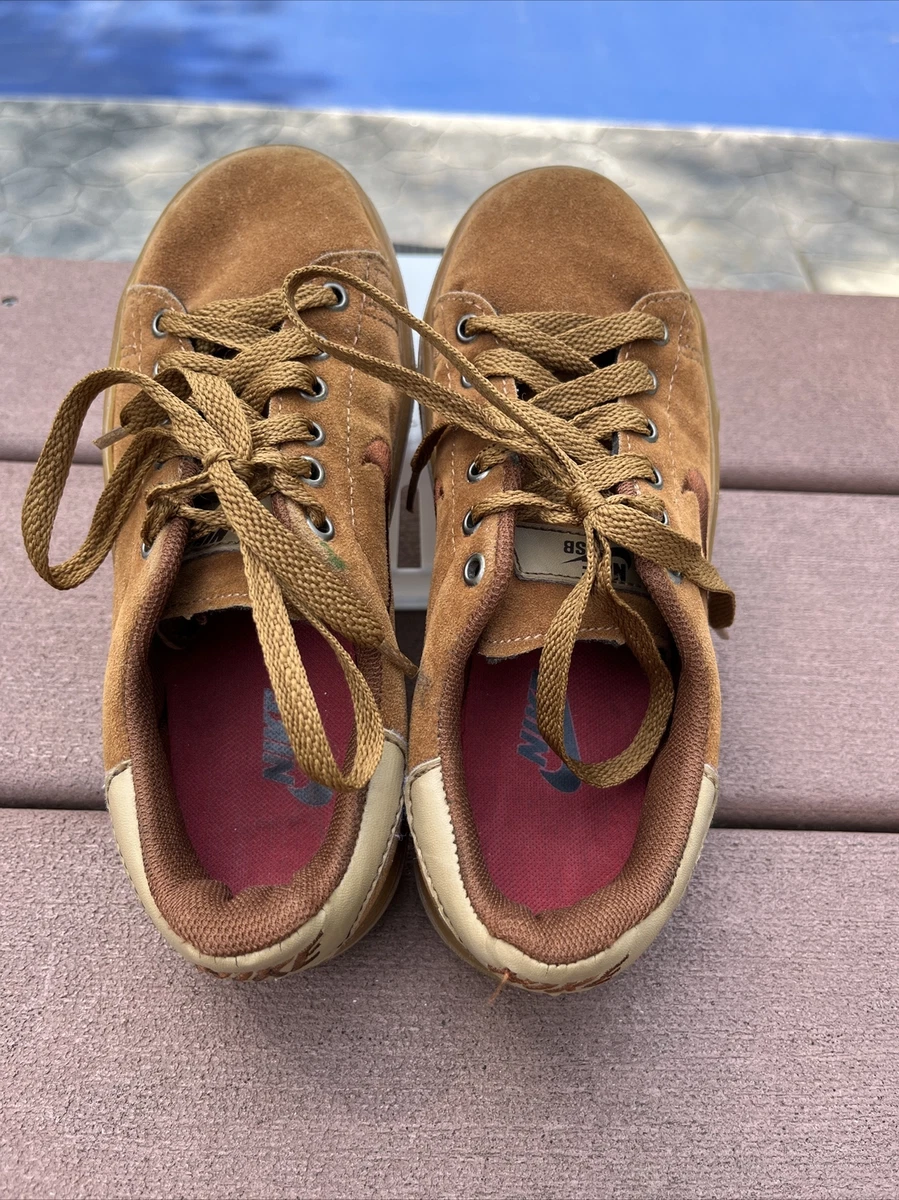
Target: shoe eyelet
466,383
653,435
320,357
663,340
343,299
474,474
156,369
317,476
654,387
325,532
154,325
657,481
318,434
461,335
469,525
473,571
663,519
319,392
676,577
145,550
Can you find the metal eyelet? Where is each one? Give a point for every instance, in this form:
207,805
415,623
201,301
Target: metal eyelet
473,571
156,369
474,475
657,481
319,392
320,357
145,550
154,325
466,383
653,435
460,329
317,477
663,519
651,391
318,434
663,340
343,300
676,577
469,525
325,532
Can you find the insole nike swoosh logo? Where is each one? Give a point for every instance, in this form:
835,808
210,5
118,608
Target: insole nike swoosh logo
278,762
532,746
563,779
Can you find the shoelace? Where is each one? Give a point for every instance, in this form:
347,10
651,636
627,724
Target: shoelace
559,435
208,404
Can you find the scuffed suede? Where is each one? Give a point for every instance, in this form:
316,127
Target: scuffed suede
566,239
237,231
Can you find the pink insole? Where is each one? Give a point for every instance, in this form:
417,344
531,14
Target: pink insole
251,815
548,839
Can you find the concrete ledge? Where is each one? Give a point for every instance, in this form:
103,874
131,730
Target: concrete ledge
737,208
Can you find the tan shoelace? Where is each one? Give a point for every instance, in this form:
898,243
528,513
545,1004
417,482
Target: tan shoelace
558,434
211,409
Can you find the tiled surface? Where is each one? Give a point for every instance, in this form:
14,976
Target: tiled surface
752,1053
737,209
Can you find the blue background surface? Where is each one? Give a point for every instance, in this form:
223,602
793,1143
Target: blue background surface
798,64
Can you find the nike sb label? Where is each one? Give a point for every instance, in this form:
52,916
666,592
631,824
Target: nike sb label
553,555
278,762
532,746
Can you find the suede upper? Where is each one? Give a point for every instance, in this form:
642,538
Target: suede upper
566,239
238,230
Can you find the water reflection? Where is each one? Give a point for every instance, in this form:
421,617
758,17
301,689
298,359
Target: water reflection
250,50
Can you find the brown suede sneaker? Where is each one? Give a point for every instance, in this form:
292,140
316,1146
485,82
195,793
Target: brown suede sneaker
254,714
566,720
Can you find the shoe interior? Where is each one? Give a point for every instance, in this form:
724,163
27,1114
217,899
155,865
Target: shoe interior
548,839
252,817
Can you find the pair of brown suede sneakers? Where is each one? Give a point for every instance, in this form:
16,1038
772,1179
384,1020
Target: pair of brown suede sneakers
560,775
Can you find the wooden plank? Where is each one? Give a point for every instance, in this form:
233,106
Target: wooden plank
807,389
753,1051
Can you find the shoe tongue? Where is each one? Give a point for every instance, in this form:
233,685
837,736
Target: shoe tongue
548,562
211,576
